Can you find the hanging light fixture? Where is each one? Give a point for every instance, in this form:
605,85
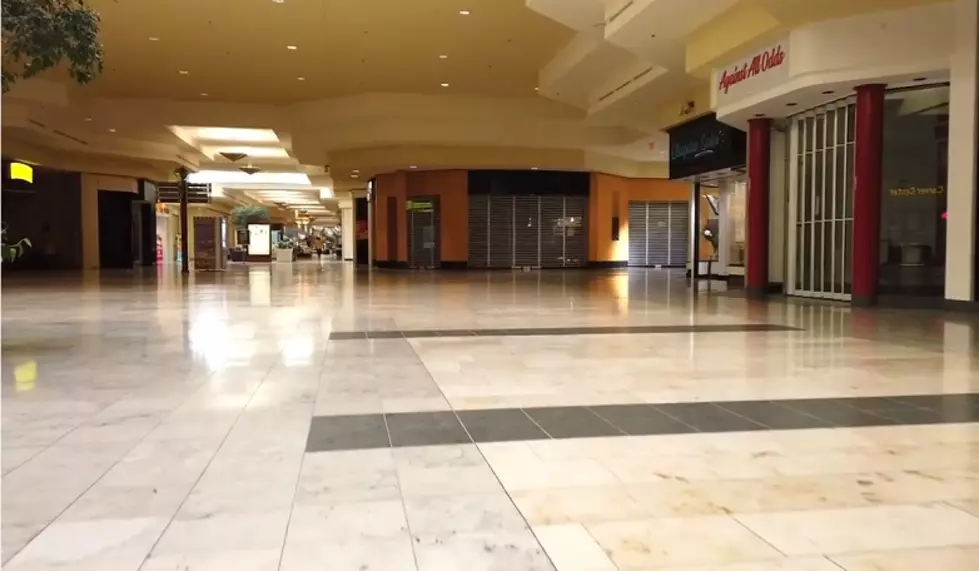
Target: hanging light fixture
233,157
250,170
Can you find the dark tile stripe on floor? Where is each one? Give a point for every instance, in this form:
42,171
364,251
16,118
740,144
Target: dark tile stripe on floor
540,423
623,330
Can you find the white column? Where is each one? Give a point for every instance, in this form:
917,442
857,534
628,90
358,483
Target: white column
961,187
347,230
725,229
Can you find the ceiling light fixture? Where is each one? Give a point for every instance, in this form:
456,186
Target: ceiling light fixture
250,170
292,47
464,12
183,72
203,95
828,92
533,168
301,78
154,39
445,85
233,157
112,130
89,119
354,175
412,166
443,56
919,79
791,104
279,1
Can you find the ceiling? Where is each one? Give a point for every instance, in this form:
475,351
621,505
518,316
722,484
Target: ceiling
551,84
238,51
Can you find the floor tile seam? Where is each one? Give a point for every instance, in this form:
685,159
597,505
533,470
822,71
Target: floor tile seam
758,535
401,495
486,462
624,431
87,488
739,415
948,503
828,423
200,477
537,424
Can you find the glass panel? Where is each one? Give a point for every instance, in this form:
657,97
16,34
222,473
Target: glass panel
848,258
808,134
807,256
799,256
850,122
913,197
838,256
820,131
806,186
830,127
848,204
839,178
820,255
820,194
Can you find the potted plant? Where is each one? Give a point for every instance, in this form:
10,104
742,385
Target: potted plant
11,252
245,214
284,251
41,34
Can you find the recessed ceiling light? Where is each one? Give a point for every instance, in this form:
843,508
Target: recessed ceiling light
759,114
203,95
279,1
292,47
537,89
183,72
920,78
443,56
828,92
301,78
354,176
412,166
445,85
89,119
154,39
464,12
533,168
112,130
791,104
355,171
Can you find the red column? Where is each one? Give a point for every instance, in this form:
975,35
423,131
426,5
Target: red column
759,166
866,193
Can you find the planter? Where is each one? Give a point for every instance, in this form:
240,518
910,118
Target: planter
283,254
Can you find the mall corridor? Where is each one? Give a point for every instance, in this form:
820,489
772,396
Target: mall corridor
304,417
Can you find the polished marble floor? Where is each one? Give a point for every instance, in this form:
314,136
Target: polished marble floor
308,417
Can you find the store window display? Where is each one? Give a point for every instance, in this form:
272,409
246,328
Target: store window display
738,240
913,201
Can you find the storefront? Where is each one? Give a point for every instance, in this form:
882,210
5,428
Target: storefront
710,155
865,108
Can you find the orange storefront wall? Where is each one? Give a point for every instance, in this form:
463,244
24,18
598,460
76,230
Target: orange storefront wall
452,189
609,197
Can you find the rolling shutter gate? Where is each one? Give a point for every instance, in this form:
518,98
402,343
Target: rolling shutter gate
424,241
658,233
527,231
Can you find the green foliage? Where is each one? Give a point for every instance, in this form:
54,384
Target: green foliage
40,34
10,252
246,214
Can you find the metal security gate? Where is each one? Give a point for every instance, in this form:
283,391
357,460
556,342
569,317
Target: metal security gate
821,202
659,233
424,240
527,231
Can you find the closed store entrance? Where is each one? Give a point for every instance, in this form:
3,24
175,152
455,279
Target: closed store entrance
424,240
528,231
659,233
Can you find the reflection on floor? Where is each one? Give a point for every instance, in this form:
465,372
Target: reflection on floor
308,417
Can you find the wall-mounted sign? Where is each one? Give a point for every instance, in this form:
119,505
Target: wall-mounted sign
754,74
917,191
705,145
21,171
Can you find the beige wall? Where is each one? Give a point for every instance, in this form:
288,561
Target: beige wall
91,185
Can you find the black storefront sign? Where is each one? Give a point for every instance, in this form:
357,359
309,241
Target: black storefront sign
705,145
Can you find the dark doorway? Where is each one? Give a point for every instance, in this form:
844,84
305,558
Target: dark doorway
424,242
116,229
392,229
